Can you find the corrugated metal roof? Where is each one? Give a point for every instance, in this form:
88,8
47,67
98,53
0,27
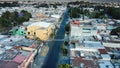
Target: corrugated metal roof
86,63
19,59
41,24
8,64
102,51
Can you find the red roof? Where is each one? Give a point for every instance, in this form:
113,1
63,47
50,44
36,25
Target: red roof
33,46
102,51
75,22
108,49
8,64
19,59
87,63
17,47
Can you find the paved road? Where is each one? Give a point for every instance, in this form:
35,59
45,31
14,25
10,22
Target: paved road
52,58
39,59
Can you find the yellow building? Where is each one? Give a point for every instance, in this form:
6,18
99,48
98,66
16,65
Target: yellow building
41,30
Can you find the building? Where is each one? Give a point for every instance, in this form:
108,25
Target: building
81,63
41,30
82,28
88,39
17,53
18,31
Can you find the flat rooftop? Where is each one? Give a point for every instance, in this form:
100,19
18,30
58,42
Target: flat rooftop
15,40
8,64
78,62
93,44
40,24
8,55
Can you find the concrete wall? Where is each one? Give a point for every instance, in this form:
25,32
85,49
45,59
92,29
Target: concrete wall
39,32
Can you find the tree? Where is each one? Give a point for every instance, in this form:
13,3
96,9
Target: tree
6,15
64,66
42,5
5,4
115,31
75,12
52,34
67,65
9,19
67,27
5,22
86,12
26,15
60,66
66,43
64,51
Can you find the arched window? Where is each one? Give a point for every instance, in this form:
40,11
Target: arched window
25,28
28,32
34,33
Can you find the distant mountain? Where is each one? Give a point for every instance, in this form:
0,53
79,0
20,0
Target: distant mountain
68,0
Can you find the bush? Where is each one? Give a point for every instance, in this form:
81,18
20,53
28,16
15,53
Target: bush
67,27
64,66
66,43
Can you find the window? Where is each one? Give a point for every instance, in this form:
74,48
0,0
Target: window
21,31
25,28
28,32
34,33
16,29
26,37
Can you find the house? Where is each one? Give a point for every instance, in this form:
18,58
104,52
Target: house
82,63
105,64
8,64
17,31
41,30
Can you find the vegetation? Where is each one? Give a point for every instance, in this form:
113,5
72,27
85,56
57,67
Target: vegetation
64,66
64,50
9,19
3,22
75,12
106,12
78,12
81,3
52,35
99,11
5,4
67,27
66,43
42,5
113,12
47,5
115,31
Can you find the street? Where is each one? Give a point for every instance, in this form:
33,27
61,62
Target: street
51,60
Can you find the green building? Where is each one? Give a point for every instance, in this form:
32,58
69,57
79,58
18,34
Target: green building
17,32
